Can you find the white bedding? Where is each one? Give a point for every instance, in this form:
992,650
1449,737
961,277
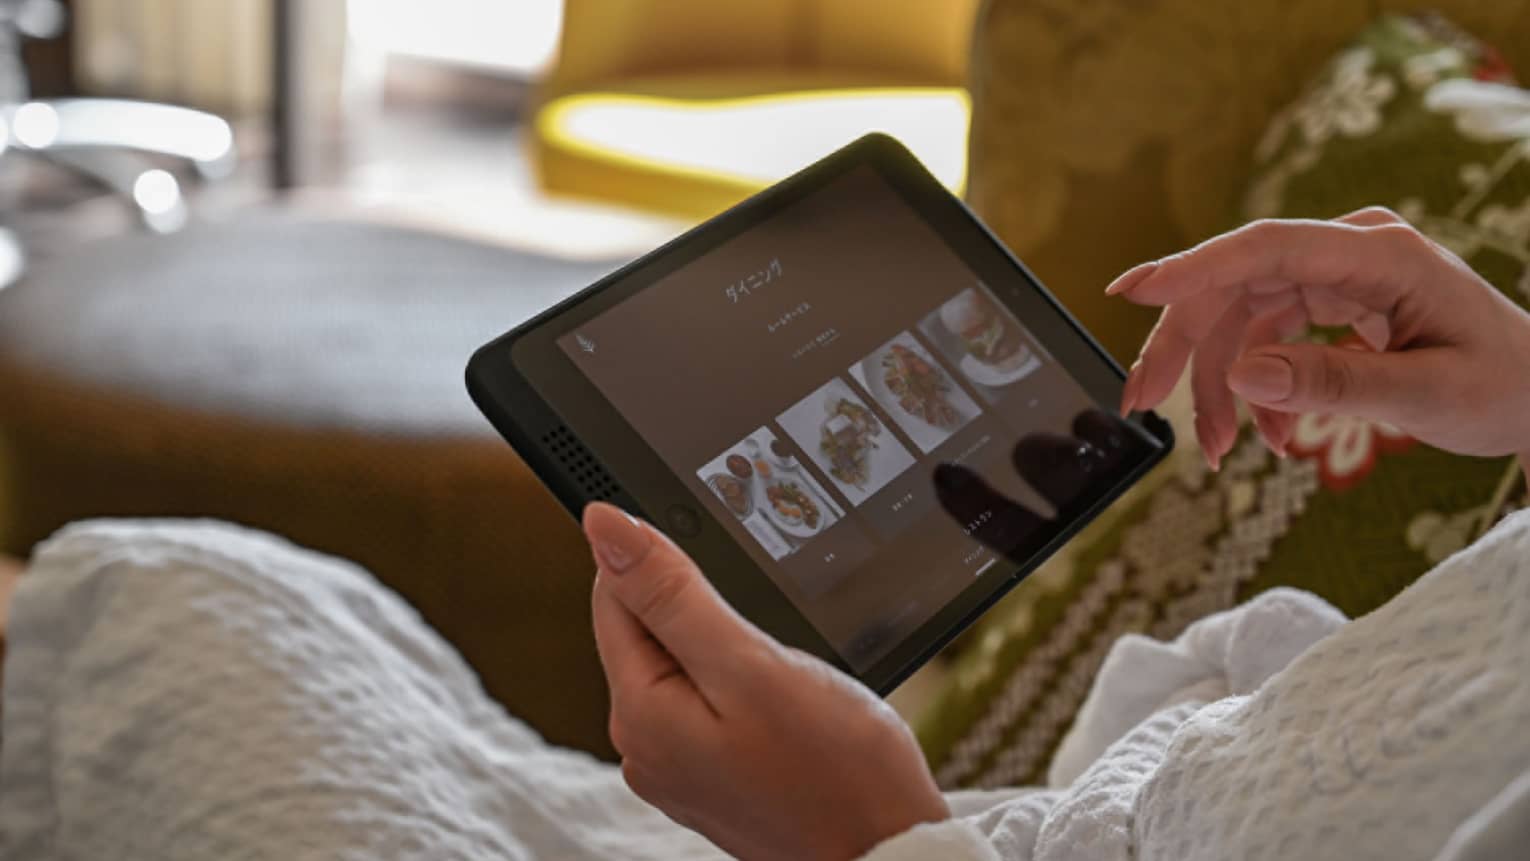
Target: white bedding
192,690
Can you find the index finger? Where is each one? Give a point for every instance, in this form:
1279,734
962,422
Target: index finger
1377,265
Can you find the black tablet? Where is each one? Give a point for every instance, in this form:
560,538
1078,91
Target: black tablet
859,413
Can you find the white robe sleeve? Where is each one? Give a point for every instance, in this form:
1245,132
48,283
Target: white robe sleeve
1226,654
952,840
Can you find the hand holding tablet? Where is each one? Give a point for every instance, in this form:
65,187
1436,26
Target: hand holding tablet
859,415
707,712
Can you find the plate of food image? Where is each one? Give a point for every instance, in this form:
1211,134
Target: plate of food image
739,466
781,455
792,507
996,376
847,438
734,493
996,353
902,379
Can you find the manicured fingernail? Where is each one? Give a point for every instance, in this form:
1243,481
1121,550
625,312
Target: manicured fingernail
1131,278
1271,441
1273,445
1129,390
1208,443
619,540
1262,379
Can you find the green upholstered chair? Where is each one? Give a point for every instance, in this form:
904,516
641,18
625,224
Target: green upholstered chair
1112,132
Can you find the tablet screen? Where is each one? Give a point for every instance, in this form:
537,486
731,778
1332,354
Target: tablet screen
842,392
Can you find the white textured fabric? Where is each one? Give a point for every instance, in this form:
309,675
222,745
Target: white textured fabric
199,692
1386,739
194,691
1219,656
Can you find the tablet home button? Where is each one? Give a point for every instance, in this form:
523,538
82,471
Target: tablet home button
683,521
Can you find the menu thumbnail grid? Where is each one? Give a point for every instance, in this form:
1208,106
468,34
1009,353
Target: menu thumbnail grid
862,431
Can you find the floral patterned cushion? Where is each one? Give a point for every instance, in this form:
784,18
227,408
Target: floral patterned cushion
1109,132
1413,115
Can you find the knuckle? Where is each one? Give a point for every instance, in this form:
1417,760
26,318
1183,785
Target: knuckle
662,598
1402,238
1335,379
1266,230
1382,212
1174,263
1275,237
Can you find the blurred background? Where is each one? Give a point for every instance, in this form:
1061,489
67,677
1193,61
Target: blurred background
247,246
584,129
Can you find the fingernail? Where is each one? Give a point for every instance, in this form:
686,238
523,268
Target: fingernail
1131,278
618,539
1209,446
1129,390
1263,379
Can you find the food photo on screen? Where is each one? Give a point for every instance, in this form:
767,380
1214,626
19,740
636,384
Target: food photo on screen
846,439
984,342
763,484
911,386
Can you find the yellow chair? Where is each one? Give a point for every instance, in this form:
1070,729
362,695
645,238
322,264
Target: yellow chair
688,106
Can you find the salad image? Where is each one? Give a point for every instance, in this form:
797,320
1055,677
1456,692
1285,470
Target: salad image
852,441
847,438
919,387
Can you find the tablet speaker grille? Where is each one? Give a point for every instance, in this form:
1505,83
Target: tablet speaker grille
579,464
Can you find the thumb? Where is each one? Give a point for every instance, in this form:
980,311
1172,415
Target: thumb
1300,378
664,590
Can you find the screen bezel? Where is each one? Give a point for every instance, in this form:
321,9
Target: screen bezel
525,384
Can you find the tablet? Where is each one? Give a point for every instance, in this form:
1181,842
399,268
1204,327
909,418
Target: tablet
862,416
